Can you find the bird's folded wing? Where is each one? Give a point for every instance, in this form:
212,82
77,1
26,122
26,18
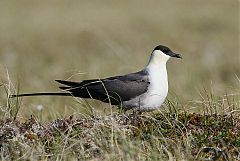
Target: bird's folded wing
115,88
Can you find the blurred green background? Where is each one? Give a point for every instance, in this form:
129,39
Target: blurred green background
41,41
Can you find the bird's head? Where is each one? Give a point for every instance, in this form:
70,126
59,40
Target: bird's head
163,53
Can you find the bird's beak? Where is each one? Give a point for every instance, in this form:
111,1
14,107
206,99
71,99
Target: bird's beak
175,55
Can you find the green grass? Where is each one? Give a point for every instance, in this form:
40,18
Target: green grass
42,41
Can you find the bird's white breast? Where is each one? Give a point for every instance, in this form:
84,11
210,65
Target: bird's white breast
157,89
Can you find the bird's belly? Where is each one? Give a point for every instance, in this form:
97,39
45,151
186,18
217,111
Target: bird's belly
153,101
146,102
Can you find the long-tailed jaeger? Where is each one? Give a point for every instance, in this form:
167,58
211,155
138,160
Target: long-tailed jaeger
145,90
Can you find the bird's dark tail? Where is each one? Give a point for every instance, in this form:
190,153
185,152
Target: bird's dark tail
40,94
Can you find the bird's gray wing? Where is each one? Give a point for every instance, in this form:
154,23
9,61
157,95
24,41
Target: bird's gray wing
116,89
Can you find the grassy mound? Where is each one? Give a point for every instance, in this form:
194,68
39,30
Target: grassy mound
160,136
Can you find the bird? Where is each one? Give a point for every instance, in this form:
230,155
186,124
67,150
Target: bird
145,90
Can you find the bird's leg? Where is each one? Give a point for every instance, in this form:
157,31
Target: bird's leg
137,111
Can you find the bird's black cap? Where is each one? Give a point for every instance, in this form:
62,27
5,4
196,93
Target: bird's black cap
166,50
